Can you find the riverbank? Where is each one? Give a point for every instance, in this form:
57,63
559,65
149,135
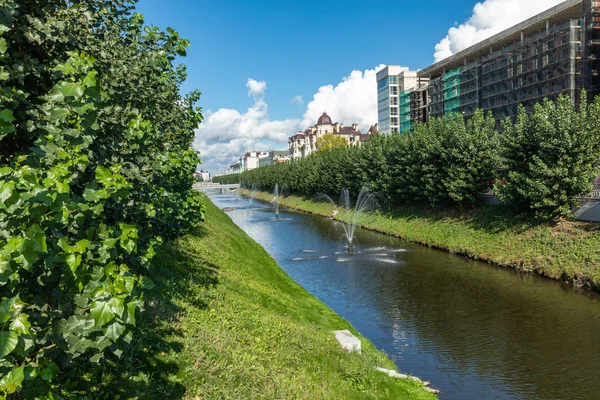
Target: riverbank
567,251
225,321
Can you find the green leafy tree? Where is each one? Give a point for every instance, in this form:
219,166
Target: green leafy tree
551,156
96,170
329,142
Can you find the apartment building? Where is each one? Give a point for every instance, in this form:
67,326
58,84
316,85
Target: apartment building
303,144
555,52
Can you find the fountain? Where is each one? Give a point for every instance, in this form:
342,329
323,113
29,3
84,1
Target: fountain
366,201
252,194
275,201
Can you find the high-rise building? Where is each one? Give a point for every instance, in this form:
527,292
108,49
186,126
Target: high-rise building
396,91
555,52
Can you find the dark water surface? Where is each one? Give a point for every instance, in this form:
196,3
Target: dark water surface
474,331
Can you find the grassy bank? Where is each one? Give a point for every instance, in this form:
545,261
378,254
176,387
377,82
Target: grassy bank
224,321
568,251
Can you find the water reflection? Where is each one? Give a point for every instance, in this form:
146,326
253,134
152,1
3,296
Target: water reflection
474,331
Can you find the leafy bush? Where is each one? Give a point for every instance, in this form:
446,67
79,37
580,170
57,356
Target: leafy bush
95,171
445,161
551,156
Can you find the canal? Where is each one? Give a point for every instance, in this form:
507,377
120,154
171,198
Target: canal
474,331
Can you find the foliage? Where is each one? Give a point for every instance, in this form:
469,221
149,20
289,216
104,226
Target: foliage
551,156
329,142
95,171
447,161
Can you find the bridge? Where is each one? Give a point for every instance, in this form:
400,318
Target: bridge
206,186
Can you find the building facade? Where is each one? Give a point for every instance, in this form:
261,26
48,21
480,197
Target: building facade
304,143
555,52
251,159
397,89
274,157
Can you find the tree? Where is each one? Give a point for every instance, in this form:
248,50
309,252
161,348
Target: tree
551,156
329,142
96,171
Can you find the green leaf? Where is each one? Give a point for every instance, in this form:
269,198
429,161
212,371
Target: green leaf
37,239
117,306
103,174
7,115
4,171
2,45
49,372
101,313
73,261
114,331
21,324
59,114
146,283
90,79
70,89
6,191
8,342
12,381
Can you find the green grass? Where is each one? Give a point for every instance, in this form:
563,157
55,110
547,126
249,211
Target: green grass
568,250
225,322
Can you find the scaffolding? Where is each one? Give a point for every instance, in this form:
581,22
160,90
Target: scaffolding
405,108
419,102
540,66
590,46
436,97
469,88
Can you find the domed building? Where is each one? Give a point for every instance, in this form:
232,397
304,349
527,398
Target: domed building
303,144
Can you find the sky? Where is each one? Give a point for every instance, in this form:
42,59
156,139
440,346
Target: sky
268,68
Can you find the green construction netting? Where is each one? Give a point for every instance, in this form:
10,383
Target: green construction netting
404,126
452,74
405,106
452,91
452,106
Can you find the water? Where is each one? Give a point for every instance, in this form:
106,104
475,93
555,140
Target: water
365,202
474,331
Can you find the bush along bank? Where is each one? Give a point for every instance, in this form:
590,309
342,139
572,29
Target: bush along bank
566,251
539,164
224,321
96,170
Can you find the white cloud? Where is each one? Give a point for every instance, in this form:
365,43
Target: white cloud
298,100
352,100
226,134
489,18
257,89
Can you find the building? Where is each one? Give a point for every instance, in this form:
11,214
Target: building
274,157
236,168
397,89
555,52
251,158
304,143
202,176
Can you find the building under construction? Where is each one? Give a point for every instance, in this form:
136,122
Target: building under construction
555,52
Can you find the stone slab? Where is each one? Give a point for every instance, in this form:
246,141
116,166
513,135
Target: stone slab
348,341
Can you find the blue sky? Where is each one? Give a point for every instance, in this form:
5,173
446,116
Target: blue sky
297,48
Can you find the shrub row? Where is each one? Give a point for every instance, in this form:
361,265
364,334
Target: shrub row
539,163
96,170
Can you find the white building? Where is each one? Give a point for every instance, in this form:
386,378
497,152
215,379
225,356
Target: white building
304,143
250,159
394,86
